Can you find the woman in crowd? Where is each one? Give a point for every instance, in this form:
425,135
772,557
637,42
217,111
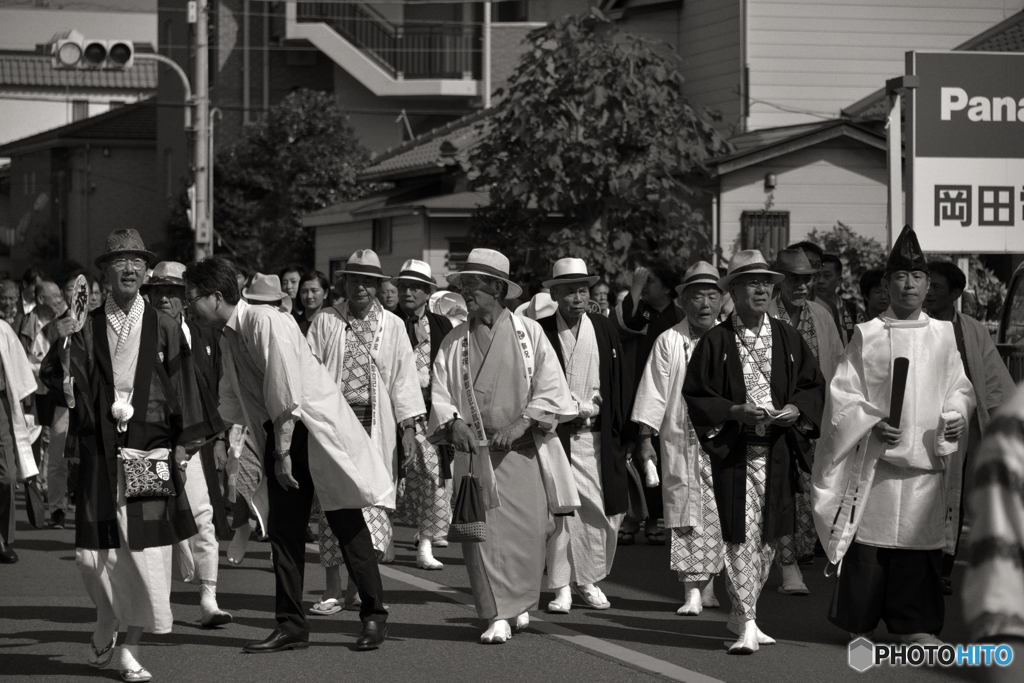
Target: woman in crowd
313,289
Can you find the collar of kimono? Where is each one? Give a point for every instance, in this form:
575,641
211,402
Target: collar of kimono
525,350
891,321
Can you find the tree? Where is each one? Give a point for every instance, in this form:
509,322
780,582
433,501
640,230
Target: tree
302,156
594,132
858,254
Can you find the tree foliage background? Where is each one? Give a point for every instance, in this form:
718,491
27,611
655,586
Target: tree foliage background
593,130
302,156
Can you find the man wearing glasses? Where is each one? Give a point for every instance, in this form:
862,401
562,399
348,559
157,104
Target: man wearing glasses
275,386
122,367
792,304
755,396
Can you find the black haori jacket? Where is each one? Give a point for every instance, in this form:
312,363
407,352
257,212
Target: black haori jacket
169,408
614,482
714,384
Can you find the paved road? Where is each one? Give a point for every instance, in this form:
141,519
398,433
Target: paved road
46,618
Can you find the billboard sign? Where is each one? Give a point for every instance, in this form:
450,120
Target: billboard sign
965,148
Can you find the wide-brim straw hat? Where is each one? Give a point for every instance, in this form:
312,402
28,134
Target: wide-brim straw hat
363,262
166,274
567,271
748,262
416,271
126,241
794,261
490,263
264,288
700,273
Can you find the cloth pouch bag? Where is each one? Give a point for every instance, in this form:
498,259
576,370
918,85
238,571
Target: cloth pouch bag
147,474
34,505
469,523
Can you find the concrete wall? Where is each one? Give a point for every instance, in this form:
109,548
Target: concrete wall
840,180
822,55
27,112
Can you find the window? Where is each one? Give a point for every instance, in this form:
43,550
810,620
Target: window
334,265
458,253
512,11
382,235
79,110
116,104
767,231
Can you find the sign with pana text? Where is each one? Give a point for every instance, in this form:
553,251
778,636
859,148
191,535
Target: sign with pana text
965,150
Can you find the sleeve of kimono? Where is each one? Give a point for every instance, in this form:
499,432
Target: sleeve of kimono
704,388
406,396
960,395
442,406
551,401
21,382
993,592
277,346
652,394
999,384
809,395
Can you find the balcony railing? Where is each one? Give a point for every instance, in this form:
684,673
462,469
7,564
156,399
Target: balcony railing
418,50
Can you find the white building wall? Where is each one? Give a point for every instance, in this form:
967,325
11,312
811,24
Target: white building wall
810,58
838,181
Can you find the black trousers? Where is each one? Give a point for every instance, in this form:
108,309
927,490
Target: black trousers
289,517
898,586
8,470
653,495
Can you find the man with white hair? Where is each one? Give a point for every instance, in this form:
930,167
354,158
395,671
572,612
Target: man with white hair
793,304
498,395
755,395
428,468
691,514
582,549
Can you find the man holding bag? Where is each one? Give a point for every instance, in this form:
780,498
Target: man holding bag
498,394
124,390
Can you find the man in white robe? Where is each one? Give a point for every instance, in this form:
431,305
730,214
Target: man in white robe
582,550
497,396
17,383
886,501
793,304
272,381
691,514
368,355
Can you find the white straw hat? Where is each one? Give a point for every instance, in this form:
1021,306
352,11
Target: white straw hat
570,270
490,263
747,262
418,271
362,262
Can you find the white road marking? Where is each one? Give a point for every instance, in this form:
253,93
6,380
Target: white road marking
602,647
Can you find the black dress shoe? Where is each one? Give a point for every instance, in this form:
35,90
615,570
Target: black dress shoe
57,519
7,555
276,642
373,635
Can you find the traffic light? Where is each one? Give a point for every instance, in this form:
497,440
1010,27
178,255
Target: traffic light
71,50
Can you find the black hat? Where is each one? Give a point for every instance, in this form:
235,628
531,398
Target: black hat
906,253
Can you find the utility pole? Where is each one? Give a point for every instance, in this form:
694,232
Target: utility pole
202,158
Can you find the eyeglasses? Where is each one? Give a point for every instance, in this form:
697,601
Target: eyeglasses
197,297
758,284
122,263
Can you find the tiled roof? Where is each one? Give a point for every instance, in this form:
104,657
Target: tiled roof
1006,36
32,70
431,151
131,122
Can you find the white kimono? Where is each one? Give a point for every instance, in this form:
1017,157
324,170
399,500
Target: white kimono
284,378
905,496
21,383
659,404
394,365
549,402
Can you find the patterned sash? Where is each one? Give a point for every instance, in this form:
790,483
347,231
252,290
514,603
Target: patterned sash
755,349
125,355
805,325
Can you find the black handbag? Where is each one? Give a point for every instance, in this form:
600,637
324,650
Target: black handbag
34,506
147,474
469,523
